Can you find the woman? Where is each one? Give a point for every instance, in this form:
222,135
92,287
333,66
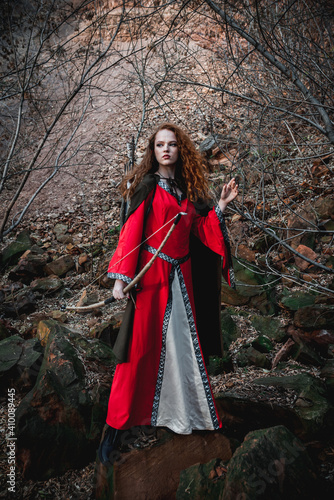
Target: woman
163,380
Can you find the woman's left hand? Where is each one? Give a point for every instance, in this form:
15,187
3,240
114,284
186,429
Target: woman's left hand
229,192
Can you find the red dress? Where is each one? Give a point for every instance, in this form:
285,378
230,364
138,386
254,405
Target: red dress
164,381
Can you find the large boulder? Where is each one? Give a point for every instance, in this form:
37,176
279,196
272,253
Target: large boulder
270,464
153,472
300,402
311,406
59,421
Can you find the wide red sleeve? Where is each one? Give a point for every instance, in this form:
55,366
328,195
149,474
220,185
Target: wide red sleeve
211,230
123,264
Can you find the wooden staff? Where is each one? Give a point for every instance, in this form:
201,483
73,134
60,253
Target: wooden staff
128,287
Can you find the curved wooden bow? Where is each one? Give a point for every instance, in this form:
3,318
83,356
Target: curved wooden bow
128,287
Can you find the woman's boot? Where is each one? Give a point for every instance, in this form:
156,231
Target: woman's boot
108,445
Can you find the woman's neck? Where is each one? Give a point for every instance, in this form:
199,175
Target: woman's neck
168,172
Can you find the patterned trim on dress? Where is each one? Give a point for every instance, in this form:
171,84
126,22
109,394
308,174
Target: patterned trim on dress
117,276
167,258
168,311
176,267
223,228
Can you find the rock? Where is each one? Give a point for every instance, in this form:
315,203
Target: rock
270,464
30,266
319,338
248,356
82,259
29,364
34,249
315,418
59,422
20,361
238,231
46,327
59,316
325,207
211,142
233,297
87,299
276,400
60,266
46,286
7,292
304,218
229,329
107,331
262,344
84,263
327,226
106,282
263,243
330,261
294,300
314,317
102,269
253,289
304,354
307,252
12,252
22,302
65,239
155,470
200,481
4,333
308,240
327,373
10,353
270,327
246,253
215,365
60,230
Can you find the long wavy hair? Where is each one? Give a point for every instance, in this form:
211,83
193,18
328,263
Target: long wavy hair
189,172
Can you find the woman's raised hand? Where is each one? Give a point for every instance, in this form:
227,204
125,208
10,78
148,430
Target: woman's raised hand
229,192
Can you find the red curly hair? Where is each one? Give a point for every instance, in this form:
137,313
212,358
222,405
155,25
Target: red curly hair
189,172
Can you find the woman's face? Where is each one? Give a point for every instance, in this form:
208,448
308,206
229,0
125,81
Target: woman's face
165,148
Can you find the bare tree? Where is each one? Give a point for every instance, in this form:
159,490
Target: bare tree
266,96
55,73
256,76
